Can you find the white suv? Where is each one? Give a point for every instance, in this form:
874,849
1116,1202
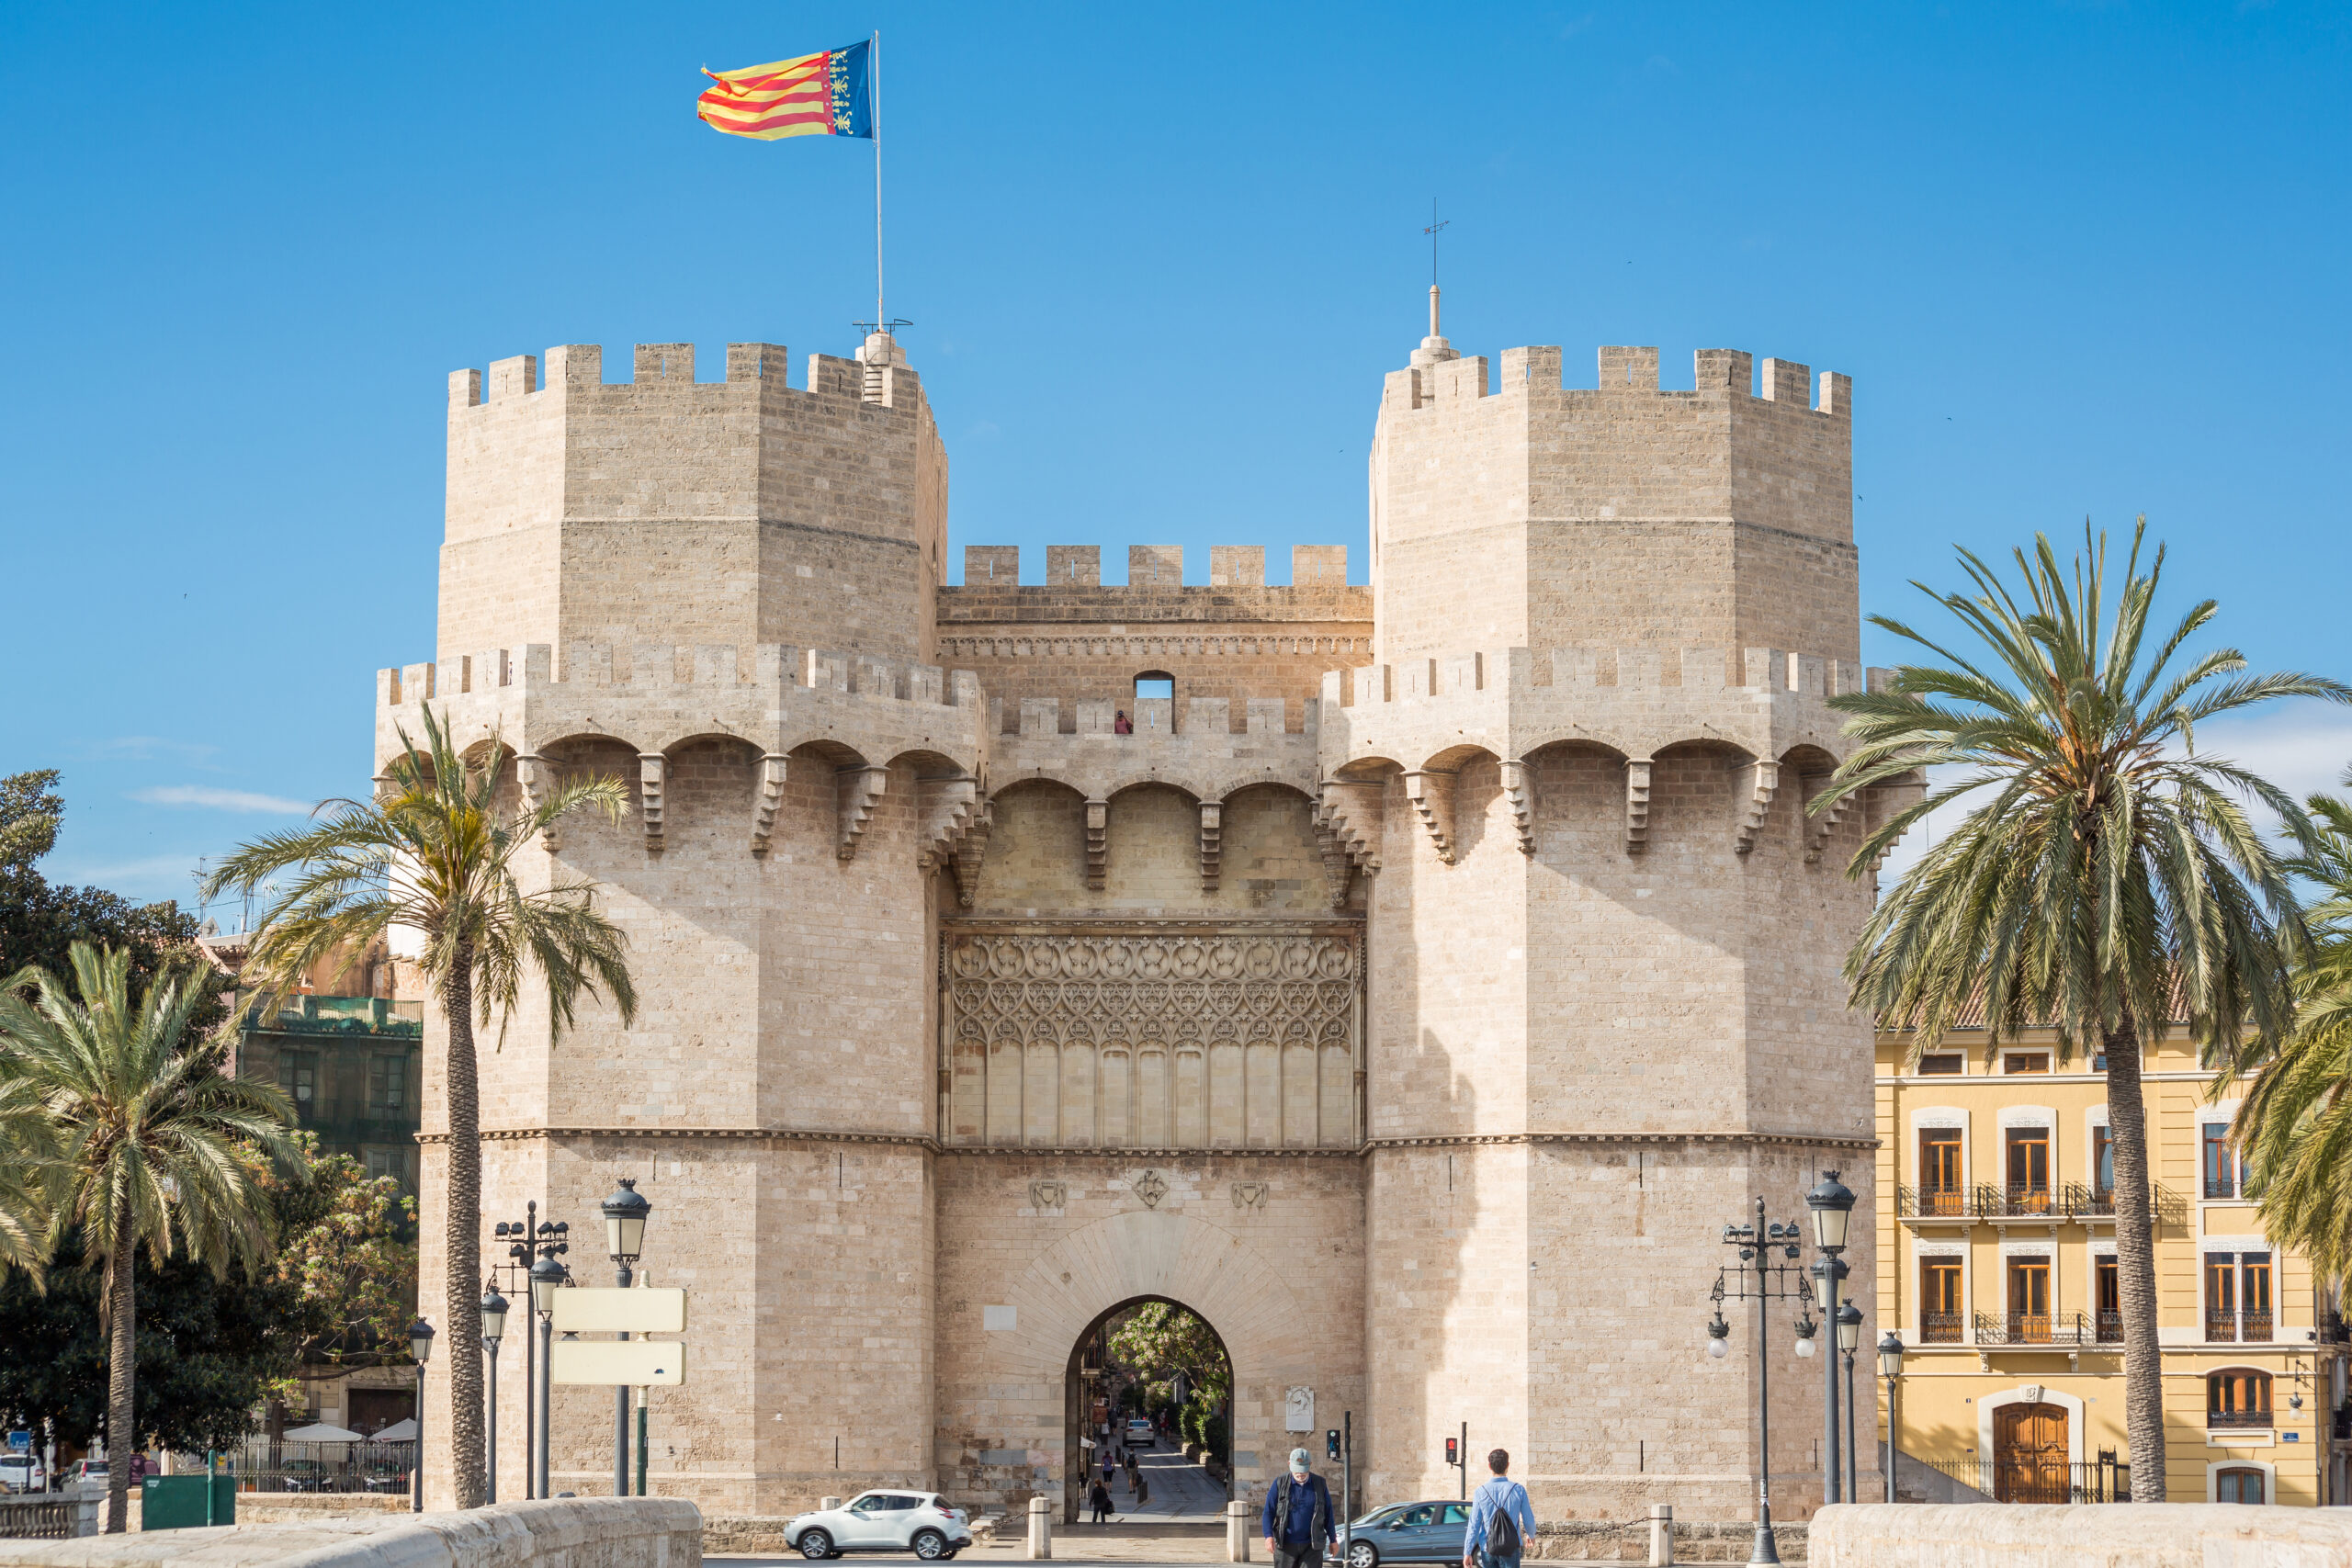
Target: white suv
919,1522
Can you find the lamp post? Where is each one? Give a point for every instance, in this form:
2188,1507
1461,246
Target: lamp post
1832,1203
1849,1339
493,1328
548,1277
625,1214
420,1348
1757,1277
1890,1363
528,1240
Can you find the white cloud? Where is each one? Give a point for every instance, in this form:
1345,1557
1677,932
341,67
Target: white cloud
205,798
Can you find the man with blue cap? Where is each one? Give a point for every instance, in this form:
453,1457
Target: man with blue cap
1298,1519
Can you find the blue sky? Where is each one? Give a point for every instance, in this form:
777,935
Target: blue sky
2080,260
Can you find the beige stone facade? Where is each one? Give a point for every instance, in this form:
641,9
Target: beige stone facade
1410,979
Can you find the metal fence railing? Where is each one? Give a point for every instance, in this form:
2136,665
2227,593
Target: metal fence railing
261,1465
2031,1480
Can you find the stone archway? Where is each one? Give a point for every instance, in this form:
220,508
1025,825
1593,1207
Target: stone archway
1078,1430
1005,1389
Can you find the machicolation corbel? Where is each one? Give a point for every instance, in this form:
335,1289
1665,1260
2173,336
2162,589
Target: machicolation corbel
1432,792
535,776
653,773
1763,781
1637,804
857,788
1518,792
1212,842
1826,822
971,851
1098,841
769,799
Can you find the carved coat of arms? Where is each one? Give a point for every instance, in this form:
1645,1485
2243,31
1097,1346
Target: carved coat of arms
1151,1189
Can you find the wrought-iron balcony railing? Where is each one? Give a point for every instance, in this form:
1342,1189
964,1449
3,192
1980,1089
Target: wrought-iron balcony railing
2110,1329
2254,1328
2237,1417
2017,1201
2033,1328
2220,1187
1935,1203
2221,1327
2090,1202
1942,1327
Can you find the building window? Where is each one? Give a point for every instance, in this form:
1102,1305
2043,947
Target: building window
298,1075
2029,1170
2108,1287
1939,1189
2238,1484
2219,1166
2220,1297
1155,683
2237,1398
1942,1065
2254,1297
2102,1162
389,1162
2026,1062
387,1087
1940,1301
2029,1300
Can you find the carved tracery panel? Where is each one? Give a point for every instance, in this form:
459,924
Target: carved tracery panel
1152,1034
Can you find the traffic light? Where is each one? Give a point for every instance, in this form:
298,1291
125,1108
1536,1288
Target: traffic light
1332,1443
1453,1450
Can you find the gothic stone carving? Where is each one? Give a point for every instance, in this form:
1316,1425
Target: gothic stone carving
1151,1189
1046,1194
1248,1194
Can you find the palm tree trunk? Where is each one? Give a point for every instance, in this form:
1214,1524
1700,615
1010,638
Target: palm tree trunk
2135,1263
462,1236
122,1367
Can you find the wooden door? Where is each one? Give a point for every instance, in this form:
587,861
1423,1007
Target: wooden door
2030,1454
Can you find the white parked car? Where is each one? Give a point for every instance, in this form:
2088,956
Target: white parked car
919,1522
1142,1434
22,1472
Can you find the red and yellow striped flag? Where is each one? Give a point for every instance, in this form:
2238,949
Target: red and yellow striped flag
817,95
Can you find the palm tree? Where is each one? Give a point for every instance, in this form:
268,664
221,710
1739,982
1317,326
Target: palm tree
436,854
2107,884
151,1143
27,1153
2295,1125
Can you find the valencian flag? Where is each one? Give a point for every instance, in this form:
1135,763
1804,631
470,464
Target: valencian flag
824,94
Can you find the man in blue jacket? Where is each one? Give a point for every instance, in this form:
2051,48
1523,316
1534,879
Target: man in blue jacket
1298,1519
1502,1520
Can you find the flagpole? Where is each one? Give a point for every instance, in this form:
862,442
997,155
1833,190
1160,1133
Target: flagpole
881,321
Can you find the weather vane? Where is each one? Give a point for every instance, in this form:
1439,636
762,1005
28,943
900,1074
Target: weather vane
1431,232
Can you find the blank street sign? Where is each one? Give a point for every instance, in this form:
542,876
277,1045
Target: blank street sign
608,1311
609,1361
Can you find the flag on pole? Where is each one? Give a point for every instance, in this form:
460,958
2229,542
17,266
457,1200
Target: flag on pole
824,94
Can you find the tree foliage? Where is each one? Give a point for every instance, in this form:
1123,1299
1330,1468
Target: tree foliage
438,854
2108,879
349,1252
2295,1125
1160,1338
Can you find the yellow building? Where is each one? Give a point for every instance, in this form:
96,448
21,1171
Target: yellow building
1996,1267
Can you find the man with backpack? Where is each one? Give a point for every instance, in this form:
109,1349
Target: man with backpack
1298,1517
1502,1519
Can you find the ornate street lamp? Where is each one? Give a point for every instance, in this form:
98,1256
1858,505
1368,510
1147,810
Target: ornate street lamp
420,1348
548,1277
1849,1339
625,1214
493,1328
1889,1366
1767,1270
1832,1203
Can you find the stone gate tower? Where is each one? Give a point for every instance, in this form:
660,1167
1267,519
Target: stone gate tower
1411,980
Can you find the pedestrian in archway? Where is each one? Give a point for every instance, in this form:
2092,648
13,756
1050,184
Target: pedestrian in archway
1098,1498
1298,1521
1501,1519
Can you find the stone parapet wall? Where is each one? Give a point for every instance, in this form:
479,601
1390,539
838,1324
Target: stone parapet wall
614,1532
2160,1535
1602,1541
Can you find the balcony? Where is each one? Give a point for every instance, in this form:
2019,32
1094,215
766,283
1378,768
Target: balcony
2220,1188
2033,1328
2220,1419
2254,1328
2221,1328
2110,1329
1933,1202
1940,1327
2090,1202
2031,1479
2017,1202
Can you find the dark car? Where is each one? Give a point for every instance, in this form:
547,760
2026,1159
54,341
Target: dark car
1410,1532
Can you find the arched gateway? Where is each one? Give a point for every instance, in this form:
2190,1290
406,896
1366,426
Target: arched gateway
1277,1270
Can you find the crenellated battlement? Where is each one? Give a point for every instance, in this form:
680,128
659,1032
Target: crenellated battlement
1155,569
668,369
1718,374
